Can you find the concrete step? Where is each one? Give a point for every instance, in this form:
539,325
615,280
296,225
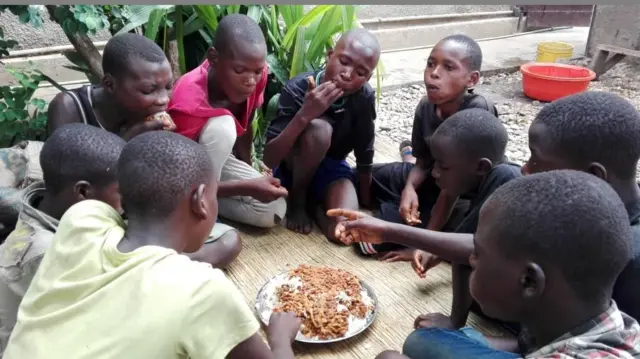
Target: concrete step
394,34
418,31
406,67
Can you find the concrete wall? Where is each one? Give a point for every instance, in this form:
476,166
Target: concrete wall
615,25
51,34
29,37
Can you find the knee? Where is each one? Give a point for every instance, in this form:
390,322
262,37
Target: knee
269,215
390,354
424,343
219,134
317,135
231,245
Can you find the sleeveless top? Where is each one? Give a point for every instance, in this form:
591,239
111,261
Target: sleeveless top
82,97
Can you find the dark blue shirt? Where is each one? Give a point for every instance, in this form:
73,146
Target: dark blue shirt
353,123
498,176
626,292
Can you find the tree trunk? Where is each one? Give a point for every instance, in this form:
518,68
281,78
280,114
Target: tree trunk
84,46
172,56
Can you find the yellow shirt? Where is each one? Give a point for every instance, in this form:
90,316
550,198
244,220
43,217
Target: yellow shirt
90,301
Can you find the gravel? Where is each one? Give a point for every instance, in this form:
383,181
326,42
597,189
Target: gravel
395,113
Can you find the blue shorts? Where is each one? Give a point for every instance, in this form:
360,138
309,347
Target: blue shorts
329,171
465,343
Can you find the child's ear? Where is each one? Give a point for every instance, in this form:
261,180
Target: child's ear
198,203
81,191
108,83
474,77
532,281
212,56
329,54
597,170
484,166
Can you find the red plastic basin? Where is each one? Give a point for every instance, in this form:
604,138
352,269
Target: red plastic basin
549,81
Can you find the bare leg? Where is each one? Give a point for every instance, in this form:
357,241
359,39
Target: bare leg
340,194
221,252
406,152
312,147
461,304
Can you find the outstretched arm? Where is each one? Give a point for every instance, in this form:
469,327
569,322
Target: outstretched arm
454,247
360,227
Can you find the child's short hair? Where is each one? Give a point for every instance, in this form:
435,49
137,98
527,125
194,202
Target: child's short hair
235,27
157,169
476,132
79,152
594,127
473,55
121,49
565,219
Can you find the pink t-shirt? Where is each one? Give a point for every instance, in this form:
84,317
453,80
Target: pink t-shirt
189,106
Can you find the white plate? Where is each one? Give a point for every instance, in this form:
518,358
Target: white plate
260,307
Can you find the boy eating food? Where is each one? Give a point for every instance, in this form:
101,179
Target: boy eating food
97,272
322,117
214,104
468,150
132,96
548,250
453,69
78,163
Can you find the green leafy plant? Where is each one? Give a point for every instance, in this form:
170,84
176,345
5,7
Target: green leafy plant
297,41
21,115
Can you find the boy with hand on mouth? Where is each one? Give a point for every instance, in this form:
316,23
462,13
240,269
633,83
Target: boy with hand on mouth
322,117
406,191
547,253
132,96
214,104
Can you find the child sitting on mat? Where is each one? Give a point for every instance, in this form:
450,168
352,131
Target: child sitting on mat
322,116
104,291
547,253
453,69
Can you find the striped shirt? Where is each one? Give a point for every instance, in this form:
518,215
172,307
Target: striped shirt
612,334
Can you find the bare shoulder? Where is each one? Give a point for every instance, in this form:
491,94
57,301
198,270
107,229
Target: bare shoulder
62,110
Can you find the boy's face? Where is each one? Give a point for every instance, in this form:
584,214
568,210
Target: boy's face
351,64
496,281
239,70
143,89
454,171
447,76
542,158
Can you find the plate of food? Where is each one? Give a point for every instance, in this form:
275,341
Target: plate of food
333,304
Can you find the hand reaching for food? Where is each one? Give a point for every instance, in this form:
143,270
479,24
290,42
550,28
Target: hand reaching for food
423,261
283,324
357,226
409,207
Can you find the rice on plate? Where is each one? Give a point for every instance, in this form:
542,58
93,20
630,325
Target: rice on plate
331,303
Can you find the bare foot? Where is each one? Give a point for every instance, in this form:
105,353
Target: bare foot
298,219
327,225
406,152
400,255
433,320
